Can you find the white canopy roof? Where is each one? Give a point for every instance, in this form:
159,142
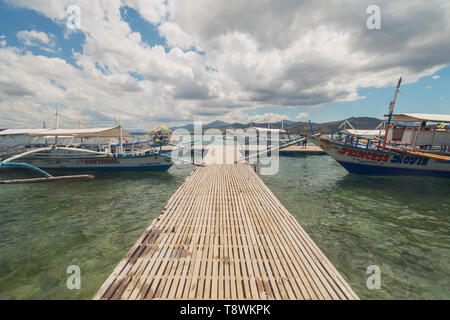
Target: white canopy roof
85,133
16,132
364,133
418,117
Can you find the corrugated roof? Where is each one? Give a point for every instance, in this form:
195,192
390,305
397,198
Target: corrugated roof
417,117
365,133
85,133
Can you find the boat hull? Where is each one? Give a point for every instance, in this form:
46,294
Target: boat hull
146,162
379,162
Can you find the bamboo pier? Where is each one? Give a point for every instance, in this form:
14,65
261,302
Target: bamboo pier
224,235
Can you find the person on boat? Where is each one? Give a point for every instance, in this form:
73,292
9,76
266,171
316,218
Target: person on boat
351,140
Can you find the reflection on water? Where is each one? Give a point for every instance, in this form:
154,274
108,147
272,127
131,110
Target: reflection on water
398,223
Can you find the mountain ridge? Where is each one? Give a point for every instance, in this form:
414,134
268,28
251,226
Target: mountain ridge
293,126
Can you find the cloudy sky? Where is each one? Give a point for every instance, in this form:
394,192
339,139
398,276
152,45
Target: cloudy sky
175,61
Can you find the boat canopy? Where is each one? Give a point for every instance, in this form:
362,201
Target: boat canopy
18,132
112,132
419,117
160,130
364,133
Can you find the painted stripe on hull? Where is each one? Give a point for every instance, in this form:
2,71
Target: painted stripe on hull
378,170
130,168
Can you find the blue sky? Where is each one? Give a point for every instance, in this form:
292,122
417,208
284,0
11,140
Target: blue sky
14,20
188,72
425,96
149,31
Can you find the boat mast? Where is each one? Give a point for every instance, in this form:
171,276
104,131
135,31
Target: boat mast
121,135
391,111
57,124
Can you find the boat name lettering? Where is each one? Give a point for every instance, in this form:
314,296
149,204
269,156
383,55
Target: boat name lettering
364,154
100,161
410,160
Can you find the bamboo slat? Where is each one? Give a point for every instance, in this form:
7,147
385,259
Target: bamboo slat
224,235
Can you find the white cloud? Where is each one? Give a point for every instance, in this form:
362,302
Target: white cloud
428,87
153,11
175,35
435,77
301,116
263,53
33,38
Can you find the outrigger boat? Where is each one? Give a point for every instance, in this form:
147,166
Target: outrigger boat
73,149
258,133
100,155
403,148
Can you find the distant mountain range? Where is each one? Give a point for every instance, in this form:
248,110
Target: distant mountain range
214,124
363,123
293,126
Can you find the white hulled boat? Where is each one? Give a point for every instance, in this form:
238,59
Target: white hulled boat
74,149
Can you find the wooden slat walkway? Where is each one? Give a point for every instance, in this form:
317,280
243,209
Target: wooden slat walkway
224,235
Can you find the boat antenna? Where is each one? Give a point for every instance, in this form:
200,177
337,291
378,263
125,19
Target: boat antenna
57,123
391,111
121,135
44,127
57,117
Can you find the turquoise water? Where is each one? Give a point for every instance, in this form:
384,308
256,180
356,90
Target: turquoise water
400,224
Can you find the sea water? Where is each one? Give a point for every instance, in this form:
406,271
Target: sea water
400,224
